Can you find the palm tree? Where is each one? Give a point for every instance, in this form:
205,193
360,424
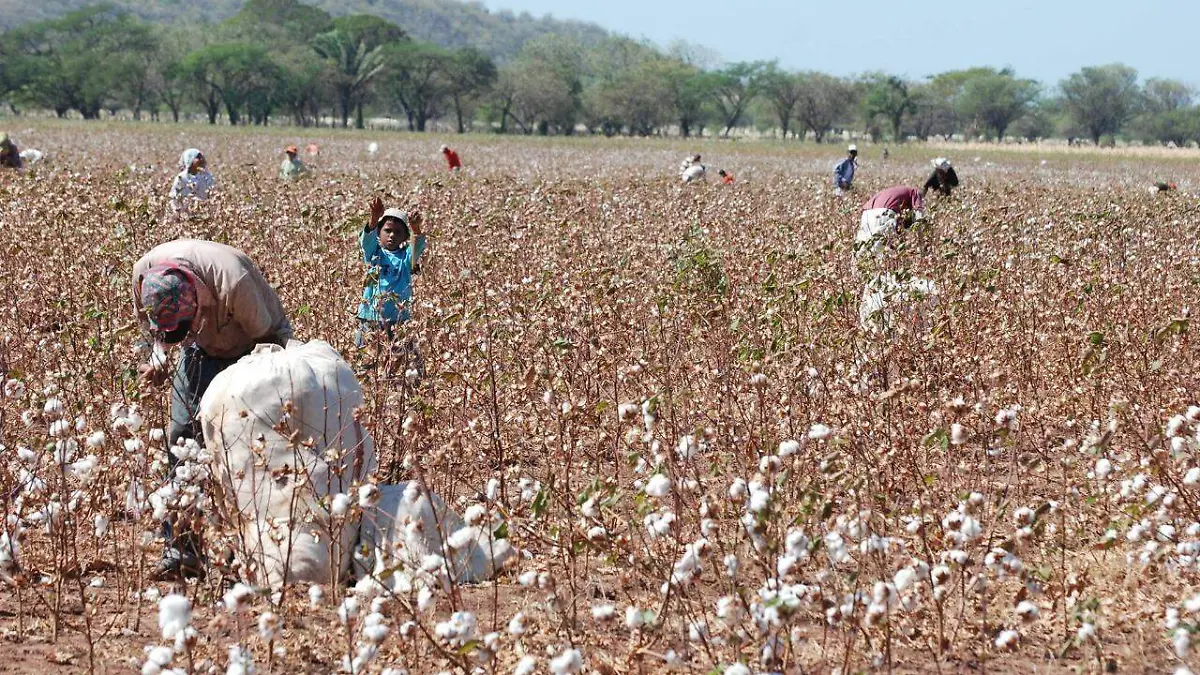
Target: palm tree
355,66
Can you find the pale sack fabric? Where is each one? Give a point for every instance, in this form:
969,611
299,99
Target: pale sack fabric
408,523
283,520
886,299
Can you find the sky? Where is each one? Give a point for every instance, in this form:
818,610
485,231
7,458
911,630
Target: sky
1043,39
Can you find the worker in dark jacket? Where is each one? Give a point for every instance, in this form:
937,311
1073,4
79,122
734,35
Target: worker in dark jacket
943,179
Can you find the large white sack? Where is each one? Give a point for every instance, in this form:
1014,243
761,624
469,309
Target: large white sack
407,524
275,411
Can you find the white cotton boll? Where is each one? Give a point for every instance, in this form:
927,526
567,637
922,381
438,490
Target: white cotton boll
516,625
658,485
368,495
100,525
627,411
463,537
567,663
603,612
348,610
687,448
634,618
268,626
174,614
904,578
474,514
53,409
236,596
1192,604
1192,476
59,428
1181,640
769,464
819,432
1086,632
759,500
1027,611
157,658
241,661
96,440
340,505
731,565
27,455
789,448
14,388
528,578
736,669
493,489
737,490
525,666
316,595
1175,425
1103,468
1007,640
958,434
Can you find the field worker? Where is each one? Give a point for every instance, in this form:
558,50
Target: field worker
726,177
193,180
393,260
10,156
291,167
688,162
843,172
313,149
452,159
214,302
885,214
943,179
1161,186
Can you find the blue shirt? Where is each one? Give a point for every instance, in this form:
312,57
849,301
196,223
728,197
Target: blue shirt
843,173
388,293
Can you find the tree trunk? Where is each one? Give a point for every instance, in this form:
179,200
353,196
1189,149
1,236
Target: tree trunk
685,127
358,117
458,114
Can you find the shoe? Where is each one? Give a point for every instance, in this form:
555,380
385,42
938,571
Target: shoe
177,565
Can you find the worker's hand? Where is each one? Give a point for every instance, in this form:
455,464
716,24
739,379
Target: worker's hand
415,223
376,212
151,376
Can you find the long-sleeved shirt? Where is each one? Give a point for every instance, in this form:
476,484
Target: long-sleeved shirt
191,186
291,168
898,198
843,173
238,309
388,294
942,185
10,156
452,160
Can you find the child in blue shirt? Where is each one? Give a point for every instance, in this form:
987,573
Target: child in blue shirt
387,294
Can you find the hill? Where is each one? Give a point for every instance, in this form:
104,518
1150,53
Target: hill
445,22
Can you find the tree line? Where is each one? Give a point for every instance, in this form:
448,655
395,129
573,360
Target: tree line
282,59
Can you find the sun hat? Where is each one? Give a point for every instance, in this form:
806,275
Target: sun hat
291,149
168,297
852,148
399,214
941,163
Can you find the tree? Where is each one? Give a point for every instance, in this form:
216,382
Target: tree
237,75
688,90
1101,99
79,61
546,85
888,95
299,21
418,79
469,76
783,91
1162,95
354,51
824,99
734,87
995,100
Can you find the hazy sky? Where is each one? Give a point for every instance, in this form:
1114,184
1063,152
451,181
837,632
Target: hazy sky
1043,39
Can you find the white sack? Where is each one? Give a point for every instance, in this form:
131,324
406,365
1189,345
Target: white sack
407,524
885,298
248,413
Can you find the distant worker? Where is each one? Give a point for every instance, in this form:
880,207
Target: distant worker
313,149
193,182
885,153
1160,186
291,167
452,159
943,179
693,172
726,177
10,156
688,162
885,215
843,172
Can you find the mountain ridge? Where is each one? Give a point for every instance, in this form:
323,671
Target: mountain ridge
449,23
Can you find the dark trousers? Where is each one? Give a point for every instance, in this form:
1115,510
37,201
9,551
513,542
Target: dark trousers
194,372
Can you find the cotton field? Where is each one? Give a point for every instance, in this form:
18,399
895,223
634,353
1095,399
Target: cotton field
659,426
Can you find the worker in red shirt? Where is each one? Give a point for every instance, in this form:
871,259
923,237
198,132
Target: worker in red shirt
726,177
451,158
885,214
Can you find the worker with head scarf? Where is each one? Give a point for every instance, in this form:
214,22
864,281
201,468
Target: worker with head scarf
10,156
193,182
291,167
214,302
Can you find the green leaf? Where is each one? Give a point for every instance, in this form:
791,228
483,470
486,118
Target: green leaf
1096,338
540,503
